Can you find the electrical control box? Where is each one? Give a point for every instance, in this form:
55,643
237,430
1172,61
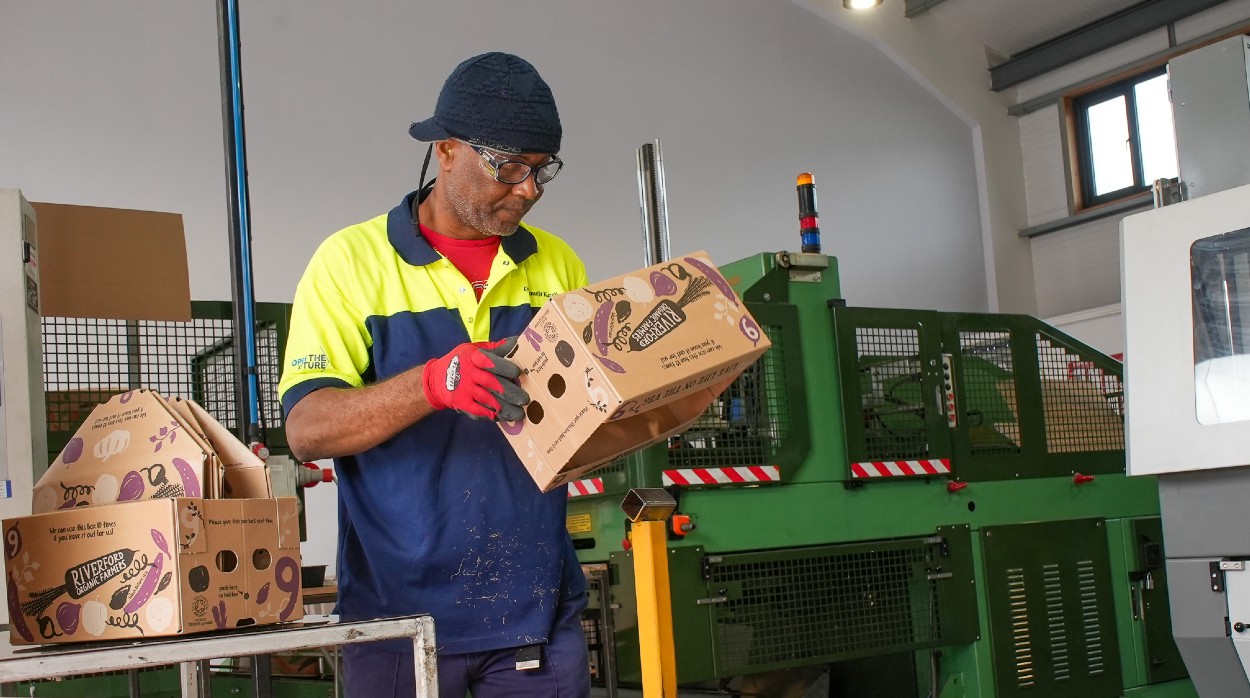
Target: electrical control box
1211,105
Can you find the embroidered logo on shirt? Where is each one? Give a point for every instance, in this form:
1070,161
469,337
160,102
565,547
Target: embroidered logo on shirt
453,373
311,362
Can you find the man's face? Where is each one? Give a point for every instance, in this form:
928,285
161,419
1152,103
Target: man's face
478,200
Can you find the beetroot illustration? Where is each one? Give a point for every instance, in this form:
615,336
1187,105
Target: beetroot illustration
67,614
663,285
132,487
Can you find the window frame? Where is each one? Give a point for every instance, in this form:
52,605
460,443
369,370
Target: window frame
1082,166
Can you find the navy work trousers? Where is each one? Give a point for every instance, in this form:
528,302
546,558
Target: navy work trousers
564,672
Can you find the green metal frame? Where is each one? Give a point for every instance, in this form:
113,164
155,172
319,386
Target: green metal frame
1004,429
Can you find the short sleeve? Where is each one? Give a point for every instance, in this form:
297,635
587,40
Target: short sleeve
328,342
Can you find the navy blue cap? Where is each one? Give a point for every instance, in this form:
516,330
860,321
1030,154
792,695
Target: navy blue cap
496,100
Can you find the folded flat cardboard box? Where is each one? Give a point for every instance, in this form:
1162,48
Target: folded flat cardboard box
112,263
626,363
152,568
140,446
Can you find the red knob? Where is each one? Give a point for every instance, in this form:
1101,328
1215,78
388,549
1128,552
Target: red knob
626,544
955,486
1082,479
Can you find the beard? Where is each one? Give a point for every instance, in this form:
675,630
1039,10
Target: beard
464,203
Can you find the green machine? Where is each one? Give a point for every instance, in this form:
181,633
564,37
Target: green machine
912,503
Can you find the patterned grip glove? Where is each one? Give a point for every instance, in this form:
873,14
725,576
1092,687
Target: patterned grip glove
475,379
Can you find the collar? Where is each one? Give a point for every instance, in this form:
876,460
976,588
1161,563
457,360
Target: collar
415,249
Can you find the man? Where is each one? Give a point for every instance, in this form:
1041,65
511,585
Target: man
394,368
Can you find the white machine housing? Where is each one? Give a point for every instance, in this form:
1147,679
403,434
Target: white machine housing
1178,399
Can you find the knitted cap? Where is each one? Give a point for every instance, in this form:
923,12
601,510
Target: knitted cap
497,100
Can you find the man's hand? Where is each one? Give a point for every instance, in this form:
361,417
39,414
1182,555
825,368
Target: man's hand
477,380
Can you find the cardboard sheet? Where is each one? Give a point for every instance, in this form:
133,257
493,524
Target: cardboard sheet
112,263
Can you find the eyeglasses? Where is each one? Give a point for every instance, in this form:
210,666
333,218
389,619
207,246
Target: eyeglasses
515,171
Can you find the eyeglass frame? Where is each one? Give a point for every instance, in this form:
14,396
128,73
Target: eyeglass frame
493,162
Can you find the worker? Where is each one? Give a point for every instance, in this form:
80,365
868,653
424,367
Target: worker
395,369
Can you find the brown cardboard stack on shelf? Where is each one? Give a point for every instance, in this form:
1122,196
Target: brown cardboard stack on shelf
153,520
626,363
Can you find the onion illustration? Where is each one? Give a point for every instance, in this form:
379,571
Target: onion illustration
106,489
95,617
577,308
637,290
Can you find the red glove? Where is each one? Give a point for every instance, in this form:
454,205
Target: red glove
475,379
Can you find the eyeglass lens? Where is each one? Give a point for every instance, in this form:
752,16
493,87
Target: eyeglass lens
512,172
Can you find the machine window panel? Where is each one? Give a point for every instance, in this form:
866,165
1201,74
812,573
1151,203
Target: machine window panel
1220,269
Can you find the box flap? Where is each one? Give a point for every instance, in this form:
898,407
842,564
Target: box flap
112,263
288,522
246,475
191,529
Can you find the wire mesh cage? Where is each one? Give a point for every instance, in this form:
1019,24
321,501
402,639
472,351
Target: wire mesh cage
1082,401
747,423
988,401
86,361
844,601
891,392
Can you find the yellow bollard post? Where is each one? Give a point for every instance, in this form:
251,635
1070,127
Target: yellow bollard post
648,510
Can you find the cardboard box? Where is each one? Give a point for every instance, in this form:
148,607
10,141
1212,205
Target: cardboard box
112,263
152,568
139,446
626,363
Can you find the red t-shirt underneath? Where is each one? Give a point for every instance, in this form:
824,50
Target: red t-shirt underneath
472,257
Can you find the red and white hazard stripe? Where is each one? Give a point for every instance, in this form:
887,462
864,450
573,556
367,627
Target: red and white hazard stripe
581,488
742,475
896,468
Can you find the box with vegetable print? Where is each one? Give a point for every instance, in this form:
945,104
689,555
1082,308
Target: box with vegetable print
152,568
626,363
140,445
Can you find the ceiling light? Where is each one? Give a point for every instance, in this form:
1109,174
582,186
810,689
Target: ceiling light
860,4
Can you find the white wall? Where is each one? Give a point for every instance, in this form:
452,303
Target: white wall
952,65
118,104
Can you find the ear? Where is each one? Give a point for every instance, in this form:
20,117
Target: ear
446,152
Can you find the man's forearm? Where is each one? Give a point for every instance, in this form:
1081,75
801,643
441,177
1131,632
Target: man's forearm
334,422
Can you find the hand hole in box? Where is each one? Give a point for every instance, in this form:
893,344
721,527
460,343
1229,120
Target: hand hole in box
556,385
534,412
261,559
227,561
198,578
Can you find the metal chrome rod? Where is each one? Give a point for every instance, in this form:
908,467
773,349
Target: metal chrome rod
653,202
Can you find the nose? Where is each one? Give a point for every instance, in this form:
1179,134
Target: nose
528,188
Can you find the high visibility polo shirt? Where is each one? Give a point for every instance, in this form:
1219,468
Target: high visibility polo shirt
442,518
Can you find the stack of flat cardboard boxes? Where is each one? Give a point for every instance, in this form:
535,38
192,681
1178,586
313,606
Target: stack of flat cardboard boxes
153,521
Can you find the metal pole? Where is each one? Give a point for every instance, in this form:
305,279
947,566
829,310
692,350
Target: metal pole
653,201
246,388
